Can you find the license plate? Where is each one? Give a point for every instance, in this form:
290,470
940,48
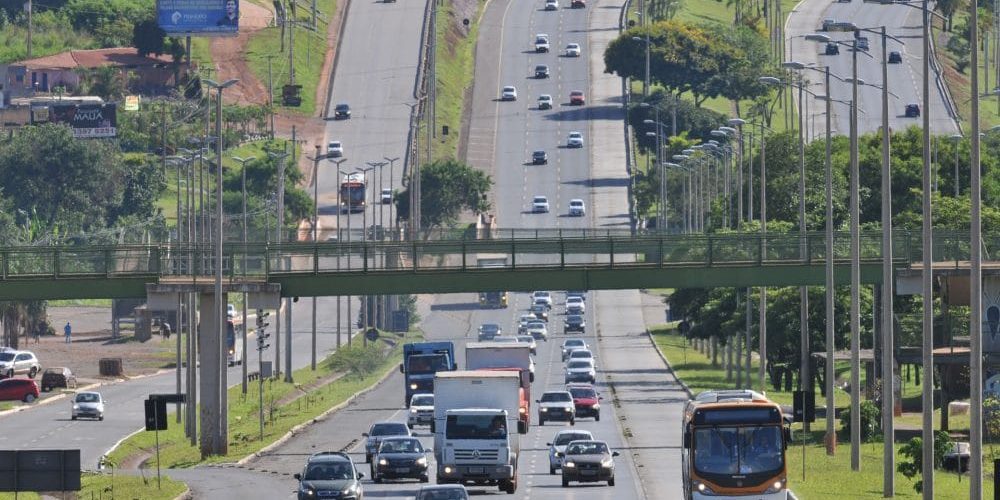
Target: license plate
588,472
475,470
402,470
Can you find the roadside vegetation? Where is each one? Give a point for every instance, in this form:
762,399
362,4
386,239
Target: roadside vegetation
118,485
338,377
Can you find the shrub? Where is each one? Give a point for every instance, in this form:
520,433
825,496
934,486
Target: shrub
871,421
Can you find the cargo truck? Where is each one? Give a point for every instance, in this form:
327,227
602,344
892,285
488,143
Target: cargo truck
505,357
474,413
492,299
421,360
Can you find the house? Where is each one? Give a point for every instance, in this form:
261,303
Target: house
44,74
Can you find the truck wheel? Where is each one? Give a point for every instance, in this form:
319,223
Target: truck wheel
597,417
565,482
611,482
409,426
424,478
552,470
541,421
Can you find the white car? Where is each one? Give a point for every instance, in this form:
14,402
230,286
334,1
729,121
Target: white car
541,42
335,149
538,330
421,410
581,354
545,101
577,208
530,341
543,295
570,345
551,4
522,326
558,446
230,311
88,405
576,301
386,195
575,140
573,50
509,93
580,370
540,205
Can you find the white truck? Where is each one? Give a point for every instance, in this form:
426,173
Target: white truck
474,412
512,358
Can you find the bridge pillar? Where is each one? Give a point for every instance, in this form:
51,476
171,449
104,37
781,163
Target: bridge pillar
213,409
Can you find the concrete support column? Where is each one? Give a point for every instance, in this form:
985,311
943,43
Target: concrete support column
214,440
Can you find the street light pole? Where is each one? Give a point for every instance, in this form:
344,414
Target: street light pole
340,209
315,233
831,435
243,187
927,279
855,308
975,275
392,163
888,397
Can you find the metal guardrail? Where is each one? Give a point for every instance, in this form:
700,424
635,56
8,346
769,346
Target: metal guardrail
541,249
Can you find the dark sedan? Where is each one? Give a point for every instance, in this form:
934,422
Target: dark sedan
539,158
574,323
400,458
588,462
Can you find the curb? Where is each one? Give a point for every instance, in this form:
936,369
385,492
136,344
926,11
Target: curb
186,495
667,363
48,400
295,430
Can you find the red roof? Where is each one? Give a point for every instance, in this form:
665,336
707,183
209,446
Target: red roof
119,56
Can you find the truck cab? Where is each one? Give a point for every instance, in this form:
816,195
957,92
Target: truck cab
477,449
421,361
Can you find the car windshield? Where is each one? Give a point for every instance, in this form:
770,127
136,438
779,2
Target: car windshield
401,446
567,437
334,144
578,364
422,401
6,356
342,107
583,392
536,324
574,343
508,89
582,353
327,472
490,327
574,318
539,199
575,203
587,448
443,494
556,397
738,450
389,430
88,397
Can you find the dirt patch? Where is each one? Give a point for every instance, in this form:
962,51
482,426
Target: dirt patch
84,353
229,54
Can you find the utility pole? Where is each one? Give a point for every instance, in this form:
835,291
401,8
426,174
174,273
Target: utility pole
975,276
888,399
927,279
762,308
831,435
279,238
315,234
243,183
30,27
270,94
290,19
855,307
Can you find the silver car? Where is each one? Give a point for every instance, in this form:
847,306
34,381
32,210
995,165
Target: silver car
88,405
558,446
13,362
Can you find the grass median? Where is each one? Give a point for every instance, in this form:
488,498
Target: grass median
117,486
337,378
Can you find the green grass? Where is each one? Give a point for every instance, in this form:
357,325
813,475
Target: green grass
123,485
455,70
201,51
365,369
310,52
959,83
46,40
80,303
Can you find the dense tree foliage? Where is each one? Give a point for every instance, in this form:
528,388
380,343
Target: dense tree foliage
447,187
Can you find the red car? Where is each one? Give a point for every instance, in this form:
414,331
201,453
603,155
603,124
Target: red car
578,4
576,97
586,400
18,389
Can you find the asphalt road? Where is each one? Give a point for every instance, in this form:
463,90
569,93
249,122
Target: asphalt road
905,79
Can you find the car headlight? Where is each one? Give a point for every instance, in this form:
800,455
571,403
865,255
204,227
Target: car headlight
569,465
383,461
776,487
448,470
607,463
422,461
307,491
413,410
522,410
544,410
76,407
413,386
596,406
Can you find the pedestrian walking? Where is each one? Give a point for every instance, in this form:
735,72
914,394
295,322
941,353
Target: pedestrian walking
165,330
69,332
38,333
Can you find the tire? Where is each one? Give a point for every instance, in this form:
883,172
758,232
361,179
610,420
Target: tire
32,372
611,482
552,470
10,373
565,482
101,418
597,417
432,427
541,421
29,398
73,417
409,426
368,458
424,478
572,421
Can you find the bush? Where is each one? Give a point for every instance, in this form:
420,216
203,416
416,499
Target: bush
359,360
914,450
871,421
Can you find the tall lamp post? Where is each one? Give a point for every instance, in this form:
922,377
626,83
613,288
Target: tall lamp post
243,187
318,155
364,237
340,209
392,163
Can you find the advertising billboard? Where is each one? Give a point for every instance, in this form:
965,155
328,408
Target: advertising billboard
199,17
87,120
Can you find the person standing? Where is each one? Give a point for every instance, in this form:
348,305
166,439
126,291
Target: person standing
68,331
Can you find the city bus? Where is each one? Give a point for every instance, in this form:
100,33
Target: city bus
353,197
734,445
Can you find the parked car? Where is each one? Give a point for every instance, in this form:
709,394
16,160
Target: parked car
88,405
588,461
895,57
912,111
380,431
328,472
832,49
58,376
341,112
18,389
14,362
400,458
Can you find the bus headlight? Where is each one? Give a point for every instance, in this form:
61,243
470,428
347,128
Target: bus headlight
776,487
413,387
447,470
383,461
705,490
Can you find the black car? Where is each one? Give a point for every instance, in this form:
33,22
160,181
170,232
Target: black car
399,458
330,474
588,462
832,49
489,331
541,71
575,323
380,431
442,492
912,110
895,57
342,112
862,43
539,158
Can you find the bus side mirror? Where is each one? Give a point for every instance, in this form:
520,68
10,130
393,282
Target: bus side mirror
687,440
788,436
401,368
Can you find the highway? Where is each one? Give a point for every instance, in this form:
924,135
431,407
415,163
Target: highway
905,79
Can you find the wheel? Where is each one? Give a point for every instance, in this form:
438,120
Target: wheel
611,482
32,372
572,421
565,482
378,480
101,418
73,417
10,373
424,478
541,421
597,417
29,398
552,470
432,427
368,458
409,426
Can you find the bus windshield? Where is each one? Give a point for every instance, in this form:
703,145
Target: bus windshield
738,450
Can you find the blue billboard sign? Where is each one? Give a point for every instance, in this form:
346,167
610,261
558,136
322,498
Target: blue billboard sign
199,17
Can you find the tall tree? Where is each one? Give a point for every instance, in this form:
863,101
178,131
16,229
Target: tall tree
447,187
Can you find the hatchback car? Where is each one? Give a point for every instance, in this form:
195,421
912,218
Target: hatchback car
341,112
912,111
586,400
581,354
556,405
541,312
577,98
571,344
541,42
551,4
540,205
421,410
400,458
529,340
539,158
580,370
575,140
832,49
489,330
573,50
509,93
380,431
330,474
895,57
574,323
88,405
542,71
59,376
588,462
538,330
577,208
544,101
442,492
335,149
14,362
558,445
386,196
18,389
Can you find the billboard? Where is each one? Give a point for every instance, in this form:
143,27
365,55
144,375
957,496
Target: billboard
87,120
199,17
